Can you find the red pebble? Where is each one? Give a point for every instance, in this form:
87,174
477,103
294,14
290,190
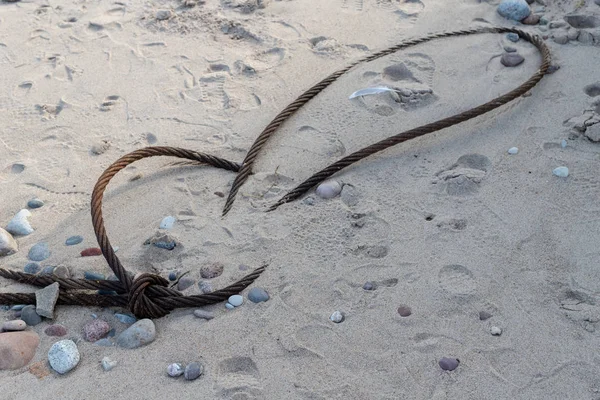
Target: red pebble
92,251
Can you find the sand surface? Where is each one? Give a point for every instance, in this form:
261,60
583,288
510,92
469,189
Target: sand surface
450,224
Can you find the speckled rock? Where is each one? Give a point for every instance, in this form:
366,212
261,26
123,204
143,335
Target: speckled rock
8,245
55,330
45,300
17,349
139,334
63,356
95,329
337,317
32,268
212,270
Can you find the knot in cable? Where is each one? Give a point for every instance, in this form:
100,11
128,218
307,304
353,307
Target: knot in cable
142,305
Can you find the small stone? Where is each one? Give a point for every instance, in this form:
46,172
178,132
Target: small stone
35,203
73,240
593,133
139,334
585,37
184,283
45,300
563,144
349,195
511,59
17,168
404,311
513,150
14,325
29,315
39,252
258,295
17,307
172,276
557,24
496,331
62,272
483,315
108,364
162,15
205,287
32,268
204,314
513,37
448,364
48,270
544,21
516,10
337,317
561,172
369,286
212,270
55,330
102,146
193,371
229,306
560,37
509,49
126,318
329,189
309,201
8,244
236,300
572,34
19,225
63,356
17,349
94,276
104,342
92,251
582,21
167,222
95,329
175,370
532,19
162,241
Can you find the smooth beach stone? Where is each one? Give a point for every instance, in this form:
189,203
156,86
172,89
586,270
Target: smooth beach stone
184,283
167,222
92,251
63,356
236,300
563,143
29,315
55,330
39,252
204,314
73,240
516,10
531,19
258,295
369,286
14,325
193,371
511,59
94,276
45,300
329,189
17,168
337,317
404,311
8,244
139,334
162,15
17,349
496,331
17,307
175,370
513,37
172,276
35,203
32,268
561,172
229,306
108,364
126,318
19,224
62,272
513,150
48,270
449,364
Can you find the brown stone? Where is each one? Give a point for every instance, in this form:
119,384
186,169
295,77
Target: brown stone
17,349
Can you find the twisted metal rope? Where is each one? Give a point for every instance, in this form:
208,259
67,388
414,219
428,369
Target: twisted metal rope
147,295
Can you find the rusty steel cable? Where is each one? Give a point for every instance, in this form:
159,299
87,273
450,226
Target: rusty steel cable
147,295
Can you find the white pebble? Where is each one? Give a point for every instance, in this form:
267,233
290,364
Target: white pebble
229,306
563,143
329,189
561,172
496,331
337,317
19,225
236,300
513,150
8,244
108,364
167,222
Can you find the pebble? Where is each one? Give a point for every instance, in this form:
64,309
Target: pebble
104,342
329,189
167,222
193,371
139,334
582,21
572,34
448,364
204,314
205,287
349,195
236,300
511,59
162,15
48,270
39,252
17,168
496,331
309,201
212,270
560,38
62,272
532,19
32,268
509,49
404,311
172,276
516,10
45,300
126,318
585,37
337,317
92,251
17,307
35,203
557,24
162,241
563,143
29,315
258,295
14,325
369,286
108,364
561,172
483,315
73,240
63,356
94,276
19,224
593,133
513,37
513,150
17,349
184,283
229,306
8,244
55,330
95,329
175,370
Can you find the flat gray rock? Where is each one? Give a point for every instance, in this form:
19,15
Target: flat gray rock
137,335
45,300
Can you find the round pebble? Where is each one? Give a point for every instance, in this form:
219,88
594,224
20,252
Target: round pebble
511,59
516,10
337,317
329,189
369,286
229,306
513,150
532,19
95,329
48,270
55,330
126,318
185,283
561,172
32,268
513,37
167,222
29,315
138,334
193,371
204,314
175,370
63,356
449,364
172,276
14,325
496,331
257,295
17,168
211,270
19,225
8,244
39,252
108,364
73,240
236,300
404,311
35,203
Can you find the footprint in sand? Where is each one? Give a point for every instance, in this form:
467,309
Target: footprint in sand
464,176
238,378
457,280
406,9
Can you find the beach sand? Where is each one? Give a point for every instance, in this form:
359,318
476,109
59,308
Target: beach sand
449,225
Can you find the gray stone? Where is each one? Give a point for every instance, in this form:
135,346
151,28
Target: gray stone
139,334
516,10
572,34
585,37
258,295
39,252
162,15
204,314
35,203
581,21
349,195
175,370
29,315
557,24
184,283
337,317
62,272
593,133
511,59
32,268
95,330
45,300
73,240
108,364
8,244
63,356
193,371
561,37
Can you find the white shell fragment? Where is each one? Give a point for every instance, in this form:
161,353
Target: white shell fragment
19,225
